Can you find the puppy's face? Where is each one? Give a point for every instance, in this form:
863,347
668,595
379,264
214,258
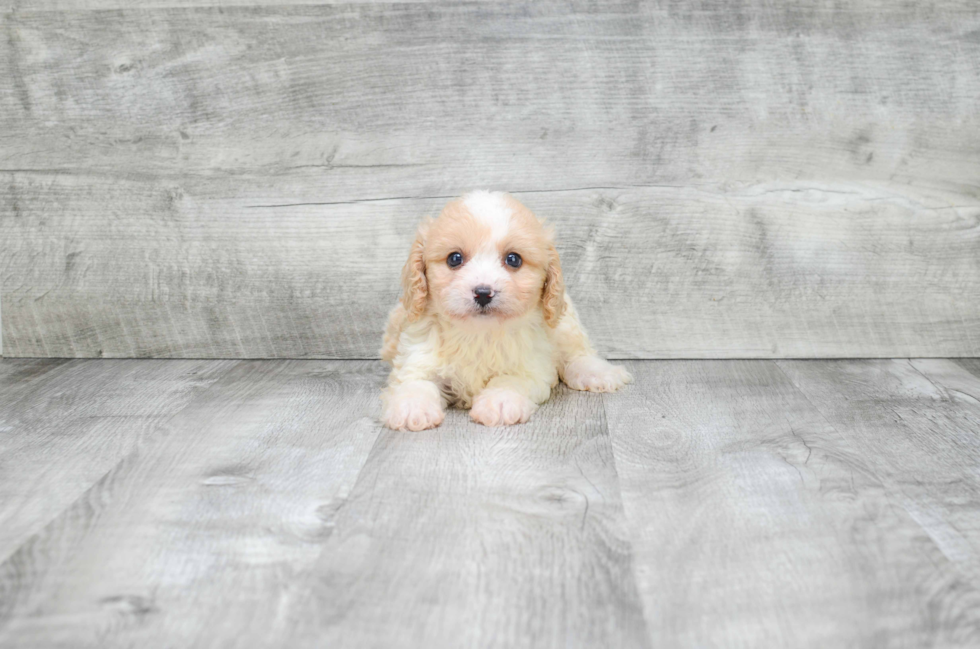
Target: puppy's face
486,259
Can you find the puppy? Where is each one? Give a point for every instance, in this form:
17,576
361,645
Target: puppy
484,322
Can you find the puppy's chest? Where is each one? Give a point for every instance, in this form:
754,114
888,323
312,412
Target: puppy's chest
466,365
480,364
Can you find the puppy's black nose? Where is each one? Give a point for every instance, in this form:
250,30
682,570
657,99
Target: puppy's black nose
482,294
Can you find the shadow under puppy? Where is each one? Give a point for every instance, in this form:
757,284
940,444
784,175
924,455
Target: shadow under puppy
484,322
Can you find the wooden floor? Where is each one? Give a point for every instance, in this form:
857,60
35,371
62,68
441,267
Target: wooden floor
182,503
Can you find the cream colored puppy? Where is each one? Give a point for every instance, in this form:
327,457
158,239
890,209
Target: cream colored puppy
484,322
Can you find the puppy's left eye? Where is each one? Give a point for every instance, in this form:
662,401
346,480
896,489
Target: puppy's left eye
513,260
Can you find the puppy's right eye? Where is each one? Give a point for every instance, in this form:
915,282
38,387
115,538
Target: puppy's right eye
454,260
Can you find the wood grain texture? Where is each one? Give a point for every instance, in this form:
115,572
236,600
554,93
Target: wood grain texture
712,503
63,427
971,365
464,536
757,180
18,375
757,523
918,423
786,270
195,537
100,5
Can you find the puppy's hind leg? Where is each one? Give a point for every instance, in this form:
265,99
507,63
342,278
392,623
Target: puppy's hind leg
578,364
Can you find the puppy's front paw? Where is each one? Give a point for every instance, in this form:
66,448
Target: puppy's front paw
409,409
595,374
501,407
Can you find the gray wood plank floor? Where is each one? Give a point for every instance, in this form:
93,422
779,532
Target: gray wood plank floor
712,503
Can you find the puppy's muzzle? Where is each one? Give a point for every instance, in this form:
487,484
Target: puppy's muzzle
483,295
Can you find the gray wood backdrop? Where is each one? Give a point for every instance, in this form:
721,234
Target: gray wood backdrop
728,179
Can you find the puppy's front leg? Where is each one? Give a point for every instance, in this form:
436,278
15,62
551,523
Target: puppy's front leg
413,405
508,400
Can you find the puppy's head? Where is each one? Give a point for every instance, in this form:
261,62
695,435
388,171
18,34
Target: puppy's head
486,258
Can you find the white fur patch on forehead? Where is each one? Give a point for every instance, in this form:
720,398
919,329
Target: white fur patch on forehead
492,209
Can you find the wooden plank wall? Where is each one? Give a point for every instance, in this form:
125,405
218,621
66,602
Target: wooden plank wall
746,179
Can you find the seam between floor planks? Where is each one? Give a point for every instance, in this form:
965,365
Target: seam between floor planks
83,416
911,564
428,503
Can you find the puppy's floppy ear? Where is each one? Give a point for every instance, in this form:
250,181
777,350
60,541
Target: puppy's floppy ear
553,293
415,289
